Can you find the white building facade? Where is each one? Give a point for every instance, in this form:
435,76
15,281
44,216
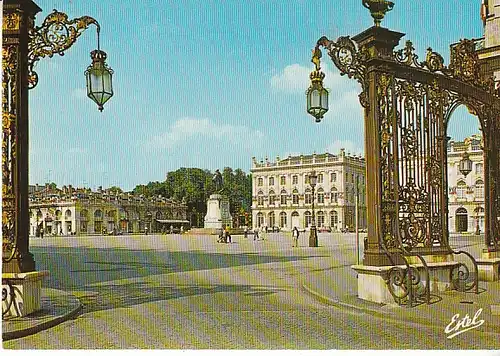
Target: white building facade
282,195
466,193
78,211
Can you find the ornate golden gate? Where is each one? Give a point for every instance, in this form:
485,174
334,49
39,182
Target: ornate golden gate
407,105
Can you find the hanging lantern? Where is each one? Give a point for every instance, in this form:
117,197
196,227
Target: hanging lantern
317,95
99,79
465,164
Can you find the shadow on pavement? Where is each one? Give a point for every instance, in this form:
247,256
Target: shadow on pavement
132,294
78,269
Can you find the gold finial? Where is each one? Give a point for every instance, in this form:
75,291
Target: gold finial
378,8
316,58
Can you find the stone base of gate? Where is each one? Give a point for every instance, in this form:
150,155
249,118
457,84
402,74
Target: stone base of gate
21,293
489,266
372,284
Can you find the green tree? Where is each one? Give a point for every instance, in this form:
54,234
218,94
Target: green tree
115,190
194,186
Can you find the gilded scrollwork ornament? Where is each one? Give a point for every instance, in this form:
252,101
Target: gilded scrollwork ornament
11,21
54,36
349,60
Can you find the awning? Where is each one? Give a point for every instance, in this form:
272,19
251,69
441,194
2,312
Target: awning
173,221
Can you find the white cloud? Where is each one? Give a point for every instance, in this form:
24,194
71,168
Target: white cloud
294,78
349,146
185,129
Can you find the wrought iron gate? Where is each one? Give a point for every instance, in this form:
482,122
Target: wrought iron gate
408,104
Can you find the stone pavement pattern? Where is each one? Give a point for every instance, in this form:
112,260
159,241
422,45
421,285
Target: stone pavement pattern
190,292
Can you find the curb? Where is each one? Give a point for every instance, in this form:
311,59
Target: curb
16,334
338,304
494,330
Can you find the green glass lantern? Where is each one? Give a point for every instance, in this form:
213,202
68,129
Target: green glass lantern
99,79
317,95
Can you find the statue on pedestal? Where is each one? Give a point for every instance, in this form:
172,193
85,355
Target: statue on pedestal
218,212
217,179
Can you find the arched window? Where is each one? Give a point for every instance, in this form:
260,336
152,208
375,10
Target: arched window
308,218
320,178
84,214
272,197
334,218
58,214
282,219
479,168
295,197
271,220
159,215
260,182
260,219
479,190
334,195
271,181
461,188
295,179
67,214
321,196
260,199
321,218
308,197
98,215
283,197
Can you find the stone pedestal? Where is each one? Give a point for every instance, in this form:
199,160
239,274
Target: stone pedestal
21,293
489,266
372,284
218,214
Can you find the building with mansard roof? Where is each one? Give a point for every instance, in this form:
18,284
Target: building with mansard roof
80,211
282,195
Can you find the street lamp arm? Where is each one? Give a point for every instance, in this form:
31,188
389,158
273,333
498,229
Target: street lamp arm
349,60
54,36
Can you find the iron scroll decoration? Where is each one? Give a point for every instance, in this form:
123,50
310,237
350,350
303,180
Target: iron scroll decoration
54,36
352,61
414,100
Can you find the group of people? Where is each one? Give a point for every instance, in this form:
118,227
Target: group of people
256,235
224,235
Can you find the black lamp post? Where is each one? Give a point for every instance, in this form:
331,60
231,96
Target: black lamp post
313,235
23,45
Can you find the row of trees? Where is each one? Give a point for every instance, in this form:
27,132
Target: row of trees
193,186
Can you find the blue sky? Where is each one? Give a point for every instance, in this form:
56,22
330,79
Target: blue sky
210,84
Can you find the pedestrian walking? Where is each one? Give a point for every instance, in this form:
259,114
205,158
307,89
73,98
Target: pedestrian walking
228,234
41,232
295,235
171,229
245,232
255,234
